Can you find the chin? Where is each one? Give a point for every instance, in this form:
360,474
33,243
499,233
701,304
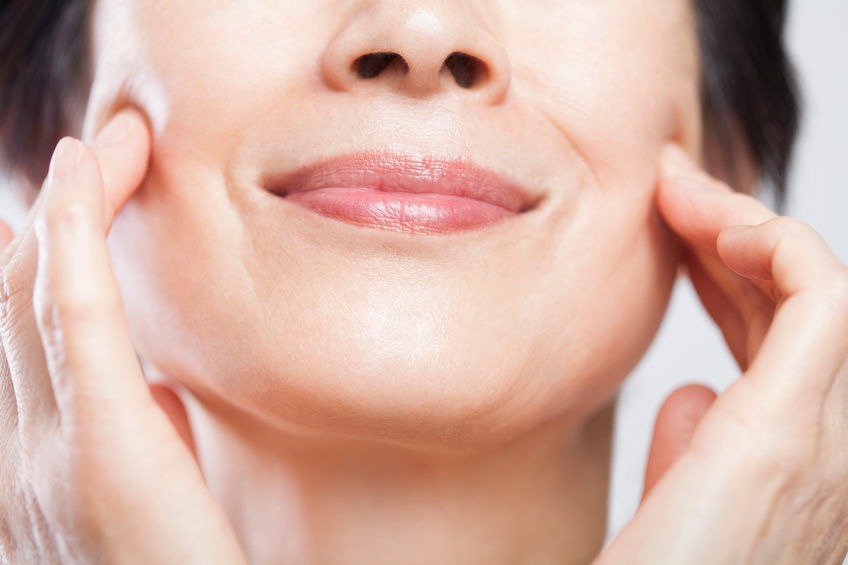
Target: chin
389,368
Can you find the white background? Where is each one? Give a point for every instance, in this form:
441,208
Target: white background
689,348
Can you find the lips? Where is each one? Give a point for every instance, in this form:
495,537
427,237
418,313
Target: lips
403,193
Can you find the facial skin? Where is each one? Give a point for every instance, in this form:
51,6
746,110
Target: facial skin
448,342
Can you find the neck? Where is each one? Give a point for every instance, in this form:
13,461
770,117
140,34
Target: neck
540,499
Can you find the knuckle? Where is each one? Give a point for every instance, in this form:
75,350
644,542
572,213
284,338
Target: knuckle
59,308
58,218
66,312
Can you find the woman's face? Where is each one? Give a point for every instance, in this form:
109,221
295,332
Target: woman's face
449,339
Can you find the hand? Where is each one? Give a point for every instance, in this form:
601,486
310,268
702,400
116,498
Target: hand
760,474
91,468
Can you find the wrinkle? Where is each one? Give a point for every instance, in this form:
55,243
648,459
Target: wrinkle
587,163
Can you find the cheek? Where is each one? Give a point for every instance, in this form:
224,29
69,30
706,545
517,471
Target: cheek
175,251
611,278
177,62
617,79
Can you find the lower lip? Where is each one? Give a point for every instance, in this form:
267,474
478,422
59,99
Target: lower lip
418,213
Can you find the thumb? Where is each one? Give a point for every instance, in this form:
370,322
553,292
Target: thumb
676,422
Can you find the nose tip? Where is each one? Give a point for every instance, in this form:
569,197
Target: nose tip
421,53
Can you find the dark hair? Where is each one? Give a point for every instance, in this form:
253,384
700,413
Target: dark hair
44,79
747,85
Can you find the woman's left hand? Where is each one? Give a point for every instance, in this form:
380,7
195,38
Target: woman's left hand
760,475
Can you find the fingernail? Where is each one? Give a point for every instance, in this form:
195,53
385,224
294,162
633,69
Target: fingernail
65,158
115,131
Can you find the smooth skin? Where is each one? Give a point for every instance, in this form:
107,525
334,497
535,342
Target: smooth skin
737,480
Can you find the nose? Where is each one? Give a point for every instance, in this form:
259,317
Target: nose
417,48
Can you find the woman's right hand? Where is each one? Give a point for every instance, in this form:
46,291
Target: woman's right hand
758,474
91,468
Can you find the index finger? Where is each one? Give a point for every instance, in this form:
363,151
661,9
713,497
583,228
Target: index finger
122,149
708,214
123,153
697,206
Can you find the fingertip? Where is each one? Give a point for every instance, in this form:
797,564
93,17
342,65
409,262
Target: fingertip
72,161
681,173
675,160
697,207
123,148
72,194
680,178
680,414
687,402
65,160
676,422
125,126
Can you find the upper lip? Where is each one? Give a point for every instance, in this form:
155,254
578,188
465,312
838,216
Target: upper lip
396,172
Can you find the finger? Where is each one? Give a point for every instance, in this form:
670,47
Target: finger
8,406
782,250
76,300
124,150
675,425
723,312
17,246
696,206
721,290
31,394
8,409
807,343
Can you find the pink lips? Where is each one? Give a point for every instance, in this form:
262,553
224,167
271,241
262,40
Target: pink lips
406,194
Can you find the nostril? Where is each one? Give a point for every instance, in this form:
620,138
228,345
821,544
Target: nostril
467,70
372,64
